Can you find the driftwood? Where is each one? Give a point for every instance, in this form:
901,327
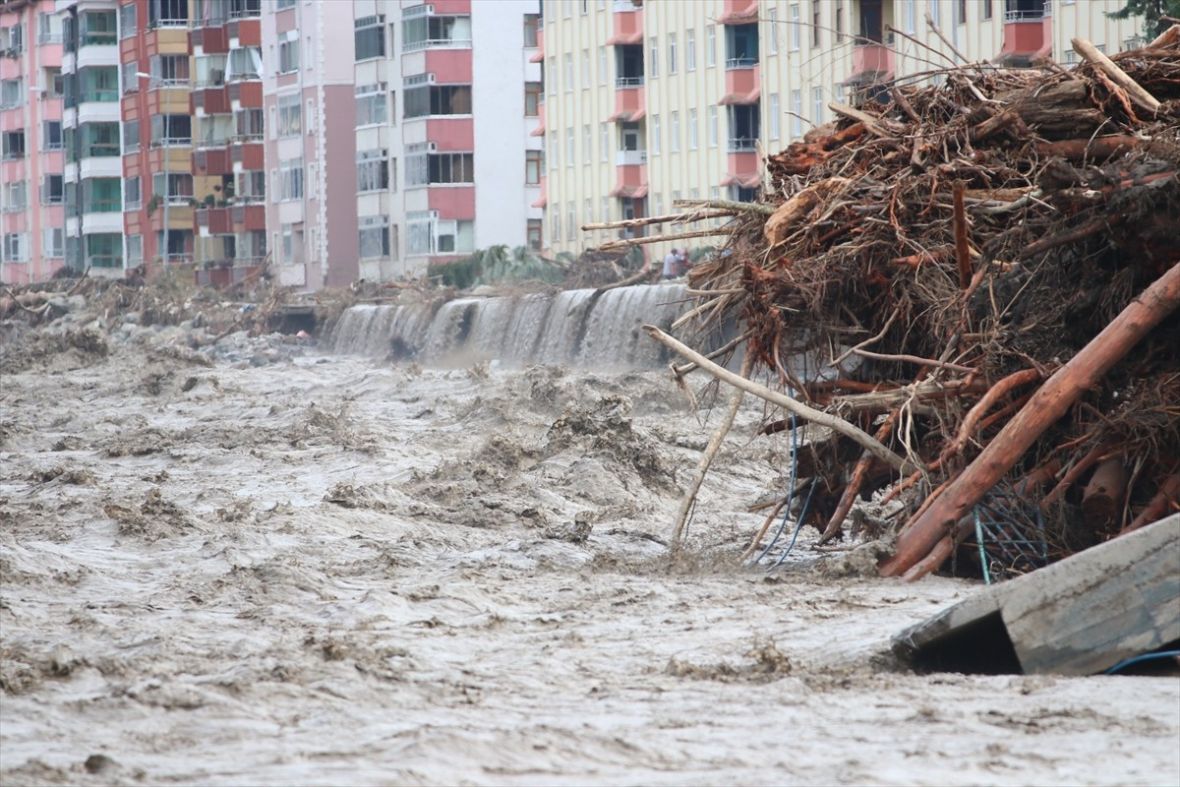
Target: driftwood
1082,372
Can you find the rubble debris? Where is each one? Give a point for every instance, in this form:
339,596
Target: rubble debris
983,279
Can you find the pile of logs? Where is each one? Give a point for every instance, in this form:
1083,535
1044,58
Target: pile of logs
985,275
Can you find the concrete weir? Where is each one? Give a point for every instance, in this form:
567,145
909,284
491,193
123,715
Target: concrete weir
587,328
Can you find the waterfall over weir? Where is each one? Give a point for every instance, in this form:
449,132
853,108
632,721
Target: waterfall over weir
574,327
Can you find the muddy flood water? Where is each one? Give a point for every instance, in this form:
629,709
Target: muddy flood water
330,570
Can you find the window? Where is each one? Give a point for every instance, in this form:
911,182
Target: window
104,250
712,127
283,5
14,144
245,63
130,136
935,11
134,249
53,242
816,23
571,224
569,147
533,234
15,196
602,75
132,195
373,237
53,83
48,28
421,31
289,53
179,187
532,23
168,13
130,78
12,93
12,39
171,130
210,70
532,99
51,135
655,135
104,195
437,100
586,69
170,70
692,129
16,247
533,163
369,37
551,72
674,132
654,57
419,232
772,31
796,113
840,22
214,130
567,62
909,20
587,153
248,123
960,11
796,33
817,105
250,186
605,208
291,179
290,115
289,245
672,57
422,169
371,104
127,20
553,150
775,114
603,142
711,46
588,211
53,190
690,50
372,170
987,9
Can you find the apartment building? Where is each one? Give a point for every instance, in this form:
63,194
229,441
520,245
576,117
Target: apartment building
447,95
310,145
650,102
228,160
32,191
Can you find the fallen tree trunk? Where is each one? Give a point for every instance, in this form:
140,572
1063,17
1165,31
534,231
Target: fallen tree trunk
1047,405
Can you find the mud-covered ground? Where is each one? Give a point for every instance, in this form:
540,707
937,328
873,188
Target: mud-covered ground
268,567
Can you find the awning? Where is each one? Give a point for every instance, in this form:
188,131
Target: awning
740,99
539,57
632,38
744,16
868,78
627,116
542,202
632,192
539,131
748,181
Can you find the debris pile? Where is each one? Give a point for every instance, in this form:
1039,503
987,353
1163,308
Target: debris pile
989,271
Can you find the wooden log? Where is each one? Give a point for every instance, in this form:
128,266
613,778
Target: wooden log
1102,499
962,245
725,204
1135,90
1048,404
994,394
856,481
1165,500
804,411
786,216
624,243
1096,148
673,218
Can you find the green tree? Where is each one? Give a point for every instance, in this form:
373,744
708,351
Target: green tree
1153,13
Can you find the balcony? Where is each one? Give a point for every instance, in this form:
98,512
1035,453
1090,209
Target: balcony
214,221
626,25
627,158
871,59
742,144
734,63
248,218
622,82
1028,32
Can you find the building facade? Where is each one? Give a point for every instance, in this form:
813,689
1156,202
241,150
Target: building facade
32,193
310,148
650,102
447,95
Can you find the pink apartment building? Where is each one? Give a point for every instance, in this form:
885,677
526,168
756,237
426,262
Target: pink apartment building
32,192
310,146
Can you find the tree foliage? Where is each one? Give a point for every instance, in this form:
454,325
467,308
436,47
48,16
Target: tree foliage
1153,13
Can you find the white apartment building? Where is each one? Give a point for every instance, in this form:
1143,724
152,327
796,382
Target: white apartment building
447,95
650,102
